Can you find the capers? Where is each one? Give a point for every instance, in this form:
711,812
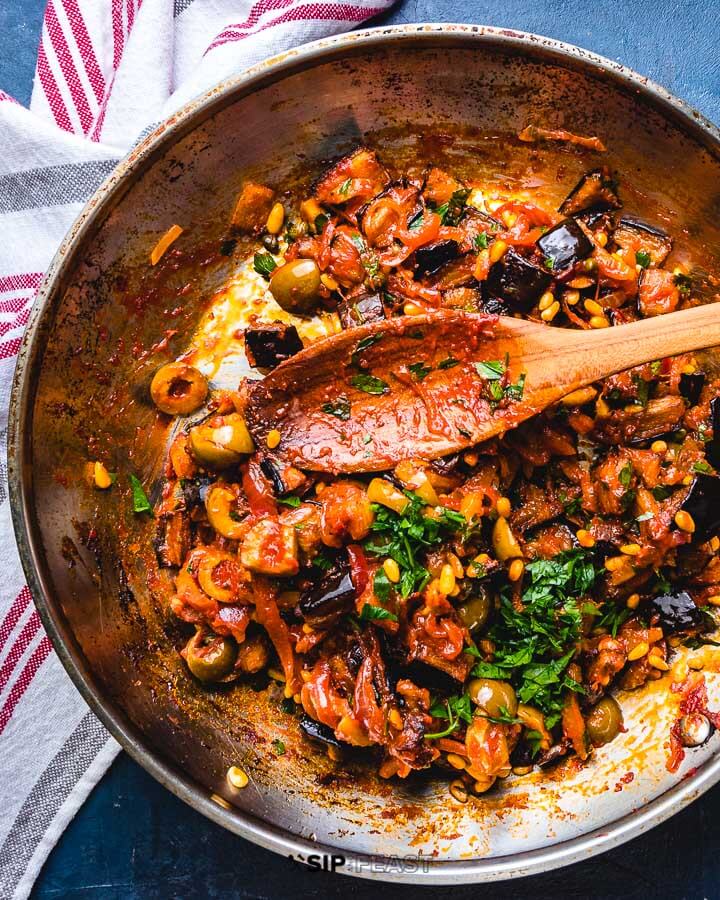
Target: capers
604,722
496,698
270,242
178,389
475,611
295,285
210,657
221,441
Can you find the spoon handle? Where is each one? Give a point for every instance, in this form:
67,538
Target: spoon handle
599,353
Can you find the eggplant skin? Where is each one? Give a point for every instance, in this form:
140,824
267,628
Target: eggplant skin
267,346
595,190
564,245
517,281
703,504
634,234
691,386
333,596
316,731
432,257
712,450
361,310
676,612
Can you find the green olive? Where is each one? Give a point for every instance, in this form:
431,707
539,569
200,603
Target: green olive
221,442
295,285
604,721
210,657
493,697
178,389
475,611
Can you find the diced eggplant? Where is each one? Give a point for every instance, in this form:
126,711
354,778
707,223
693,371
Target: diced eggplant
333,596
494,306
635,235
691,386
564,245
703,504
595,190
361,310
316,731
712,450
517,281
173,539
269,345
676,612
432,257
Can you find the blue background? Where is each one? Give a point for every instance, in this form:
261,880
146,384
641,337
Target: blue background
132,839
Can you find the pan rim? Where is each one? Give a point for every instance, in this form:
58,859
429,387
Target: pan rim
110,193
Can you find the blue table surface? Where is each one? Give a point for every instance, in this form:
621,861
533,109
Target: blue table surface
133,839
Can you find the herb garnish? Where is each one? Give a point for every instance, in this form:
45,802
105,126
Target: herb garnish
683,283
455,709
535,643
448,363
278,746
703,467
364,344
495,373
264,264
451,212
339,408
406,537
370,384
493,370
372,613
481,241
643,259
291,501
345,187
419,370
141,503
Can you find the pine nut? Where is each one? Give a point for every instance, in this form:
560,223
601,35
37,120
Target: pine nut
275,220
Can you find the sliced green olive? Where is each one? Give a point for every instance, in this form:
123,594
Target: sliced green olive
295,285
475,611
210,657
178,389
221,442
605,721
493,697
220,504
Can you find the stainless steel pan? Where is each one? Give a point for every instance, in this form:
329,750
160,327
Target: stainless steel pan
451,93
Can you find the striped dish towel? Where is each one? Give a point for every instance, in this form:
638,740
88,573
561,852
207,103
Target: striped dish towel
106,70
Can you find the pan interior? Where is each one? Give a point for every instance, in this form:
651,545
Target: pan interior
110,320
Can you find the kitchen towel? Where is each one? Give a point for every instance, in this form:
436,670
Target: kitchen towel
106,71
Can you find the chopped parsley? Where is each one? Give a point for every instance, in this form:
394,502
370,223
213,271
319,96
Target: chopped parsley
625,475
419,370
364,344
369,384
339,408
683,283
279,747
141,503
448,363
291,501
320,222
406,538
643,259
703,467
264,264
372,613
536,643
345,187
492,370
550,263
455,709
656,366
481,241
451,212
661,492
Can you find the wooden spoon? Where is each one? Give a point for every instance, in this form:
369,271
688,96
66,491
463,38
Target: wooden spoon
425,386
